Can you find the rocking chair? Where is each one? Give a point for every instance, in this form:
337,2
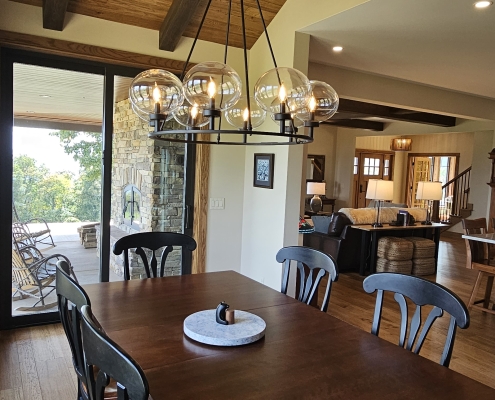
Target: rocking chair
33,275
25,236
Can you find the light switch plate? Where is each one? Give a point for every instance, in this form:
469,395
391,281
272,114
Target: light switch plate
217,203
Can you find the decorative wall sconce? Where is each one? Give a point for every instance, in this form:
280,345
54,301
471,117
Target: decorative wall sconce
401,144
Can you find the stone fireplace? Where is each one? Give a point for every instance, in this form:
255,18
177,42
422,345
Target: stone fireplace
147,186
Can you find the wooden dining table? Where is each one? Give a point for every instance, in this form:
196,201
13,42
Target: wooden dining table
305,353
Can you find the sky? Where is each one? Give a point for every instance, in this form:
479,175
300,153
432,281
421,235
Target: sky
46,149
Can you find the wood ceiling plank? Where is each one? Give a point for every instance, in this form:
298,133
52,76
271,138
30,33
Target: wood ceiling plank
175,23
54,14
150,14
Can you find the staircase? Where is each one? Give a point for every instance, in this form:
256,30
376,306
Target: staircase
454,205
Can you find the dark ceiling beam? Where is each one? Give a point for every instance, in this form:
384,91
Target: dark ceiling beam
356,123
176,22
54,14
399,114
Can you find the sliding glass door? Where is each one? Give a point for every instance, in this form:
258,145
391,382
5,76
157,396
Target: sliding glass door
78,171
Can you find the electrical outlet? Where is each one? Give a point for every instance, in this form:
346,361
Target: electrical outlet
217,203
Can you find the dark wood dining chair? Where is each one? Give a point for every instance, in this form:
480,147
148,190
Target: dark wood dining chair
421,292
312,266
478,258
71,297
151,241
111,362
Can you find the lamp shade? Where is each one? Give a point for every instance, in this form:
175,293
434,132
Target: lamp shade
316,188
379,189
429,191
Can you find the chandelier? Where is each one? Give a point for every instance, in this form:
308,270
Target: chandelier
213,90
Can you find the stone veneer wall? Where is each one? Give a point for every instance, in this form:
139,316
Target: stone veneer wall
157,170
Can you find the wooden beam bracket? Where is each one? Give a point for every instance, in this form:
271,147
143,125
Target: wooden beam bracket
175,23
54,14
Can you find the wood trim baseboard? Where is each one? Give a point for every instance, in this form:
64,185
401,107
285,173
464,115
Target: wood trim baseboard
201,205
87,52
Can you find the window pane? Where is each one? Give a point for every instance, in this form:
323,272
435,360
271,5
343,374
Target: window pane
377,171
385,171
366,162
356,161
366,170
386,163
377,162
355,170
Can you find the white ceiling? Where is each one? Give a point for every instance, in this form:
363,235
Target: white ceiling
443,43
62,96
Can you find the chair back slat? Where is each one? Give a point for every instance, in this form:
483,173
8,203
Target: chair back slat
421,292
71,298
415,325
401,300
435,313
112,361
151,241
318,265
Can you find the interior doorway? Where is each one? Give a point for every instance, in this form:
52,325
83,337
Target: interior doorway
429,167
370,164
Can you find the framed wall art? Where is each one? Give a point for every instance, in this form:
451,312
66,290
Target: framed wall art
263,170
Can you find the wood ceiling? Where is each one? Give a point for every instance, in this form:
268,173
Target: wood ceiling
152,14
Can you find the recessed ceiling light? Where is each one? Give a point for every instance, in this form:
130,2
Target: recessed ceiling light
45,96
31,112
337,48
483,4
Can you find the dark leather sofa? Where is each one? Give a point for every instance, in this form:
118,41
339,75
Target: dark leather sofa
334,236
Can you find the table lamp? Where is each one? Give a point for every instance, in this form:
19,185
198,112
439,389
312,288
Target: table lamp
429,191
316,189
379,190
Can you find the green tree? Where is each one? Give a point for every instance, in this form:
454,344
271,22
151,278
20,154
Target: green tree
85,147
37,193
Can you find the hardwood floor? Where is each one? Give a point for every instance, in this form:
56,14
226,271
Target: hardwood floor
35,363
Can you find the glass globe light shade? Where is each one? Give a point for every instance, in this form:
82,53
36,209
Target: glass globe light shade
281,84
155,86
235,114
184,117
326,102
212,80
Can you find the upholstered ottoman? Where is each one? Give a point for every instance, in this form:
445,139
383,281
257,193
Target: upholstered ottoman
422,248
394,249
400,266
423,266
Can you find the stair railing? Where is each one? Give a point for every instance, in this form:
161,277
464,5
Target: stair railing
455,197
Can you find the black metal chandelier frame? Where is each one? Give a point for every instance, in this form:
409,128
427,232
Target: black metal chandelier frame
198,135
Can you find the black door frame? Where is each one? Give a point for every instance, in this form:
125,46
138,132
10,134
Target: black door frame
7,59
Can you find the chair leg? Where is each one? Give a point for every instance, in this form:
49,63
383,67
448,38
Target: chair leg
488,292
475,289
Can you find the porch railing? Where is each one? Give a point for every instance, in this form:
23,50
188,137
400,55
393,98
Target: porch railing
455,197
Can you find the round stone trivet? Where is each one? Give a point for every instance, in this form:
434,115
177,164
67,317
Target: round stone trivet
203,327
